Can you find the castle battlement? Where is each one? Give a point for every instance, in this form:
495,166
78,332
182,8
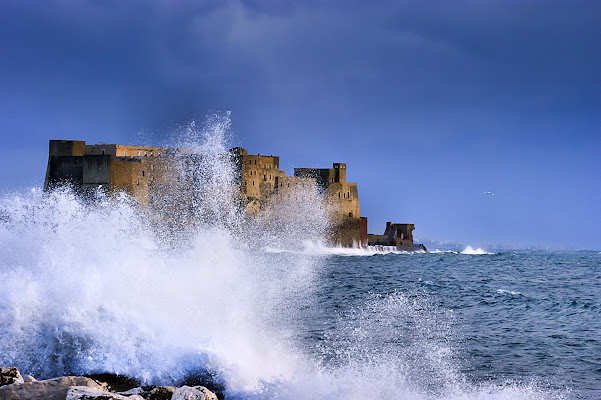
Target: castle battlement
151,174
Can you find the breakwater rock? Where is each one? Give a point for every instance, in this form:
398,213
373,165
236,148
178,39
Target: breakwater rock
14,387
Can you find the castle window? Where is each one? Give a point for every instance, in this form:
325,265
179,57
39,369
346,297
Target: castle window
137,182
255,162
338,194
102,151
253,183
250,162
288,186
350,214
142,172
344,195
348,195
125,153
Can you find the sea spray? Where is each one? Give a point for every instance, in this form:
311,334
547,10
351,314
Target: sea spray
97,284
93,286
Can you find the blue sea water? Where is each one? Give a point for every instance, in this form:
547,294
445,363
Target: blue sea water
502,318
90,288
257,309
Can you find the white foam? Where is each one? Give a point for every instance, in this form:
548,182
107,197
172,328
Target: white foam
98,288
312,248
478,251
503,291
437,251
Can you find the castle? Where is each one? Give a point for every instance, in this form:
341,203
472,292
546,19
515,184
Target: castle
152,174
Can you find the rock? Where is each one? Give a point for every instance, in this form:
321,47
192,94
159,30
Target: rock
115,382
51,389
91,393
10,375
193,393
29,378
138,390
162,393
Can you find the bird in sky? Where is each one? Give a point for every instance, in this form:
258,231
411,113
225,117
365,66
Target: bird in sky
490,193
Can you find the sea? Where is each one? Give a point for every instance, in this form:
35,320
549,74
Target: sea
262,309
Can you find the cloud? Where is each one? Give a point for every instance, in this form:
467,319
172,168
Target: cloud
393,88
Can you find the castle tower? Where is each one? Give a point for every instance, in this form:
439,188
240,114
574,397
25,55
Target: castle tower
340,172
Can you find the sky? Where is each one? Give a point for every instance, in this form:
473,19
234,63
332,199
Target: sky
430,104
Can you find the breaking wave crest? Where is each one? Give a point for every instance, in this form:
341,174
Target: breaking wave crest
99,286
313,248
471,250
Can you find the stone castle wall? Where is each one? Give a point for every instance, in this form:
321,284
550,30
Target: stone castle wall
153,174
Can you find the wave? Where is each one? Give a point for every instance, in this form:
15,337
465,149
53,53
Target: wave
89,287
508,292
312,248
467,250
437,251
478,251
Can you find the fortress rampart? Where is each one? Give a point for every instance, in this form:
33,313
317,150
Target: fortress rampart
151,175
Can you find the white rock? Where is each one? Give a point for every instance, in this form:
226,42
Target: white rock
193,393
90,393
29,378
137,390
51,389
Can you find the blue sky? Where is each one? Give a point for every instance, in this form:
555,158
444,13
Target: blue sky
430,104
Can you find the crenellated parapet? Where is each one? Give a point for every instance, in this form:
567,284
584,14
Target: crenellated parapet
153,175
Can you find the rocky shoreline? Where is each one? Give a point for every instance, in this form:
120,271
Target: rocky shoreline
111,387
